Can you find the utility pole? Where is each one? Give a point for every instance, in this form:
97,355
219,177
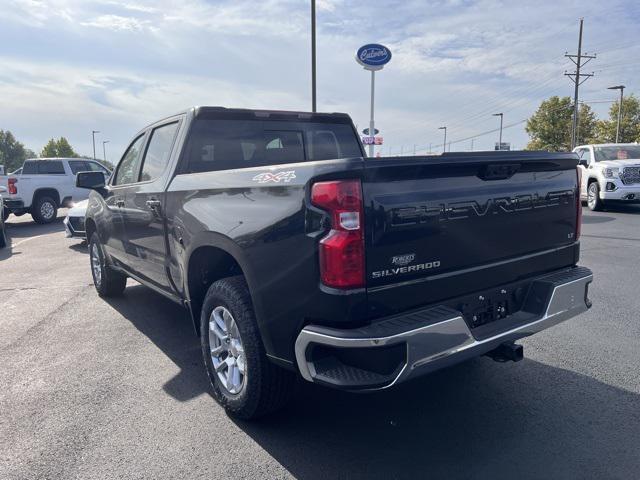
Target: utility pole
580,61
313,56
104,150
444,144
93,138
501,115
621,88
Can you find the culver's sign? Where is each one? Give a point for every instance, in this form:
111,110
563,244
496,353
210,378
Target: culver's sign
373,56
372,140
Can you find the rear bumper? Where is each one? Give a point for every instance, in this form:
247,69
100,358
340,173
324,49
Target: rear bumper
13,204
433,338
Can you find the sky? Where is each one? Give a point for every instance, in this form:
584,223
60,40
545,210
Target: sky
68,67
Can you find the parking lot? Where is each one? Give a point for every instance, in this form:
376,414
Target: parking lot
116,389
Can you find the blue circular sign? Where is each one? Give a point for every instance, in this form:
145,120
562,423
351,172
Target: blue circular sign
373,56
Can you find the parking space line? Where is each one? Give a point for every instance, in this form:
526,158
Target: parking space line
13,245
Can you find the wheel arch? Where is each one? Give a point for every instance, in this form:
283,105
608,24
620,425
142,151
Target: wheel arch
211,257
52,192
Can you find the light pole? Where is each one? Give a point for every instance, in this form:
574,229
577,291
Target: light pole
104,150
621,88
93,137
313,56
501,115
444,144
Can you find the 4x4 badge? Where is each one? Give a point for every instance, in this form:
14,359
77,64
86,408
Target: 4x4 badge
267,177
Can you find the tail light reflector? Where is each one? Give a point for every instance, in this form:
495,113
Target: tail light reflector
579,204
342,249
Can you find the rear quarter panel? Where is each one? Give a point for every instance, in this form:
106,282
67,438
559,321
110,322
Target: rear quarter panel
259,215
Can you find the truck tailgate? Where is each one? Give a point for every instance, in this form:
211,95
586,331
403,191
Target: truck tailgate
447,226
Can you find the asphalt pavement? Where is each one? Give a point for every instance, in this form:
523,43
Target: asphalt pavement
116,389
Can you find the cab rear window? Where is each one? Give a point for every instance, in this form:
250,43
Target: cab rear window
219,144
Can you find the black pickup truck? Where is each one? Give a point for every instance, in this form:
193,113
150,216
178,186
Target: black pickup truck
296,254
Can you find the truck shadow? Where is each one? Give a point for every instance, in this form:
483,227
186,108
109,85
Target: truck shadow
479,419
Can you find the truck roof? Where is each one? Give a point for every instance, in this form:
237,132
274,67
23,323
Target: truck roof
200,110
630,144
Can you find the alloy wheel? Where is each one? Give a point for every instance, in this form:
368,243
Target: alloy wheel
47,210
227,350
592,194
96,266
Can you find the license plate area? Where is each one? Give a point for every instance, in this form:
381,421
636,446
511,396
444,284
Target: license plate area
492,305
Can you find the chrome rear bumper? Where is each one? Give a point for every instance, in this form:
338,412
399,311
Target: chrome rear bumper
435,337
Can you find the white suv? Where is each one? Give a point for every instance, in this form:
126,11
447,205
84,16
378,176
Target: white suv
610,173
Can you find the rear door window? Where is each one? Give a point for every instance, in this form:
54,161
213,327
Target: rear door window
130,164
158,151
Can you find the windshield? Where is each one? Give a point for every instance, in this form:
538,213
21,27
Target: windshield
618,152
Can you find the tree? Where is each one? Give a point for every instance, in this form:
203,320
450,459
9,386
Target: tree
550,127
12,151
629,126
58,148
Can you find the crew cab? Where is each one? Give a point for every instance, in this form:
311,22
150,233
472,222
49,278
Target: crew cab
297,255
44,185
610,173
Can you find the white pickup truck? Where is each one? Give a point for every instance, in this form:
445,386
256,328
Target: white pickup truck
44,185
610,173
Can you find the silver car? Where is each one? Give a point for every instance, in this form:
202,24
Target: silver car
74,221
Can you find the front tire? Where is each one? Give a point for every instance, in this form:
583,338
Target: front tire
108,282
593,197
243,380
44,209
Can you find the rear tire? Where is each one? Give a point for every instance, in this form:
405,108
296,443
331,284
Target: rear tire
44,209
593,197
108,282
5,214
257,386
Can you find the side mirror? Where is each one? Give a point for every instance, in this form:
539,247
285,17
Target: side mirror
583,162
90,180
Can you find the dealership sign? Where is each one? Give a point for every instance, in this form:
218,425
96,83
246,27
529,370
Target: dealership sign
373,56
372,140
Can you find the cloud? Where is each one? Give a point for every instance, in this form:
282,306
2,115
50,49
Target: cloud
116,22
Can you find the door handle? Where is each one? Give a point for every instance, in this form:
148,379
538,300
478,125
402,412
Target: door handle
153,204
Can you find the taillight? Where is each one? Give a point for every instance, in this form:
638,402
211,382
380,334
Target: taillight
342,249
579,204
13,188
